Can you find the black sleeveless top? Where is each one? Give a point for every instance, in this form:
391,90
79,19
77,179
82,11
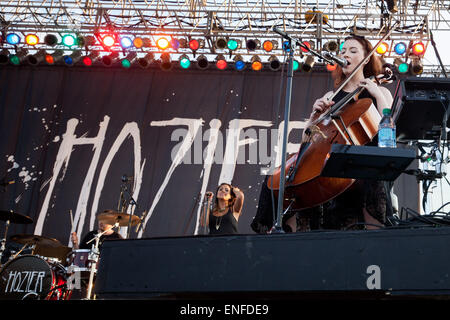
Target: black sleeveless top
226,224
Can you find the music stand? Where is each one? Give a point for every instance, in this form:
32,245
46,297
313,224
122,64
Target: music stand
366,162
420,108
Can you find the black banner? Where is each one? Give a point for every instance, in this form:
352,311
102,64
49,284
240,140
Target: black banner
71,134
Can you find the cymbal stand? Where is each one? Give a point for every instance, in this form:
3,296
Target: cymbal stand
93,256
123,204
3,241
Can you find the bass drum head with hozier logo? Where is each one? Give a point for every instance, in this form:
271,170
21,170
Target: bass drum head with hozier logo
26,277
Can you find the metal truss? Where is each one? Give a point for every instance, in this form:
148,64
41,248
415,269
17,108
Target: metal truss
209,20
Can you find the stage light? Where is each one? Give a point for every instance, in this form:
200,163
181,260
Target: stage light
382,48
308,44
51,40
31,39
90,58
400,48
129,59
253,44
239,63
85,41
184,61
54,57
220,43
183,43
202,62
331,46
194,44
331,67
175,44
221,62
392,5
311,16
145,61
17,58
38,57
13,38
69,40
138,42
126,42
4,56
73,58
274,63
110,59
416,66
233,44
256,63
270,45
162,43
108,40
286,46
418,49
308,64
401,66
166,61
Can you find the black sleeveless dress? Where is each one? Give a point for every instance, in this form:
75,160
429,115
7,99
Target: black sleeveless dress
342,212
226,224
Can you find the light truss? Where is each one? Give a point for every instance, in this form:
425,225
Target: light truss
317,21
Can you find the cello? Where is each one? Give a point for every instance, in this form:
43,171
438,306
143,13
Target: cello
350,121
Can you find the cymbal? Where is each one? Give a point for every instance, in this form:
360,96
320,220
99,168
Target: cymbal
37,240
14,217
111,217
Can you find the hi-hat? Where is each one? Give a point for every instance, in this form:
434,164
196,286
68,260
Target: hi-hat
40,241
111,217
14,217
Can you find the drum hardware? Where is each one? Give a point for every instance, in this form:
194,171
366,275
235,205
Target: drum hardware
125,203
11,217
94,255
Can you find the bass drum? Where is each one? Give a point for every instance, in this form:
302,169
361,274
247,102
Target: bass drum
31,277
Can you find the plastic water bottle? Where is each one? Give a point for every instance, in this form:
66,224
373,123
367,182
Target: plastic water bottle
386,131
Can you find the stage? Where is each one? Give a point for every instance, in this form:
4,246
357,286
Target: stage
379,264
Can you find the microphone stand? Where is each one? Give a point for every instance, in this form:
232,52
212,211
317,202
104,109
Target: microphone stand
278,228
93,258
131,201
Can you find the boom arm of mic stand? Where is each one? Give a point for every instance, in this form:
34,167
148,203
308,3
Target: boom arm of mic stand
300,44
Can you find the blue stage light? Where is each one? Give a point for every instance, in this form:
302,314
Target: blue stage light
400,48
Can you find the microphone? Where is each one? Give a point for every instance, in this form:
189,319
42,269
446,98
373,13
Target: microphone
340,61
125,178
281,33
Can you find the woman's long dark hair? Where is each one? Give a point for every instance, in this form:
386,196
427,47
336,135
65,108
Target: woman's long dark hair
373,68
230,202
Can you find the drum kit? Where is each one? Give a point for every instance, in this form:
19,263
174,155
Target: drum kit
43,268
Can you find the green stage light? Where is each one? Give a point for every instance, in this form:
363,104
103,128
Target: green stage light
69,40
233,44
185,63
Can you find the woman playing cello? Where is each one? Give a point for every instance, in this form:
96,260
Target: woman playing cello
364,202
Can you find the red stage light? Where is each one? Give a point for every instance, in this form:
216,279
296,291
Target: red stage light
418,49
49,59
87,61
194,44
221,63
331,67
307,44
